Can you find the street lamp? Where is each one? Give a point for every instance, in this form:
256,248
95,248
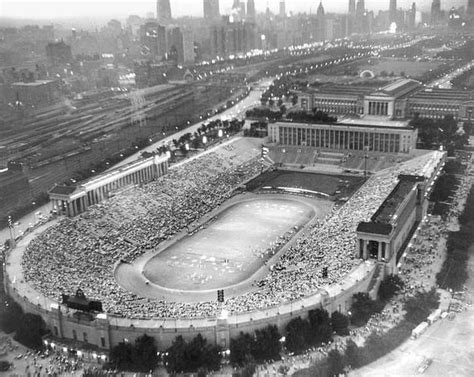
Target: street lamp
366,156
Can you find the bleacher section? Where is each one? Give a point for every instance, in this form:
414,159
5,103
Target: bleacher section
354,161
330,158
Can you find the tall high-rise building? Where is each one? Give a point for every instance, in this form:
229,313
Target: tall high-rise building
436,12
153,40
393,10
251,13
320,11
352,7
282,8
180,45
412,17
211,9
163,12
236,4
470,7
242,9
360,9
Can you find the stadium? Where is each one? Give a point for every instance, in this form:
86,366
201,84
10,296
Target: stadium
158,249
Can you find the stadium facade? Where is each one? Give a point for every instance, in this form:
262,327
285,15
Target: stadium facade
379,243
73,200
402,99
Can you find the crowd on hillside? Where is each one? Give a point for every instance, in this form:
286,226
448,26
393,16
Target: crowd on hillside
81,252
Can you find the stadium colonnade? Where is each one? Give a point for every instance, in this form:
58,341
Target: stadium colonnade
75,199
100,332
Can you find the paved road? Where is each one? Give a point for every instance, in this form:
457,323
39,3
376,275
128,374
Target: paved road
237,111
25,222
445,81
450,344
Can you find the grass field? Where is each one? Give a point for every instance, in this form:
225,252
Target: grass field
231,247
332,185
412,69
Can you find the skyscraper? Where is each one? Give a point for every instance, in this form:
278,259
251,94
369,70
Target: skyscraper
470,7
211,10
242,9
352,7
393,11
412,17
163,12
282,8
251,14
320,11
436,12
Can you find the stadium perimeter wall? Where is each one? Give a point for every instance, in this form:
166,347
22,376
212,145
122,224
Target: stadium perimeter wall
105,332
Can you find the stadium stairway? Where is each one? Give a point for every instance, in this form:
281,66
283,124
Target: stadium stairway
377,278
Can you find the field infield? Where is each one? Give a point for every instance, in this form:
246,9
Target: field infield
229,250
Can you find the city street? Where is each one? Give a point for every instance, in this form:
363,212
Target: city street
447,343
237,111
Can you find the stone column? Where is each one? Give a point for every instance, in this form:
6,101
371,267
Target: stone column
379,256
365,251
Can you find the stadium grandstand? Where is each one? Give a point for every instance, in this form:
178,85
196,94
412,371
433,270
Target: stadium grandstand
84,252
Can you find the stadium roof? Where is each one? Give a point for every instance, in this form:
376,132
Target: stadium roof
390,206
382,221
374,122
62,190
375,228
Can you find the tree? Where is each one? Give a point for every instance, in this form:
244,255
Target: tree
144,354
352,355
297,331
335,363
176,355
267,344
420,306
30,330
121,356
320,327
248,370
340,323
389,287
193,356
10,311
363,307
241,349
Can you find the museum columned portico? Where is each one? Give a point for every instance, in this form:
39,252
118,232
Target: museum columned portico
73,200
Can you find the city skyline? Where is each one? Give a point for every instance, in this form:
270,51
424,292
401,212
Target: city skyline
67,9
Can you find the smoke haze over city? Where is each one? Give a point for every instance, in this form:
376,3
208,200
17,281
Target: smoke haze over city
55,9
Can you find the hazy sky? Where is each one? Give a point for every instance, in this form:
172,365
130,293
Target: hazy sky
57,9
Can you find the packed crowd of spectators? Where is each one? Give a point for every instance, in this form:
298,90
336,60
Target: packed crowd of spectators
82,251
